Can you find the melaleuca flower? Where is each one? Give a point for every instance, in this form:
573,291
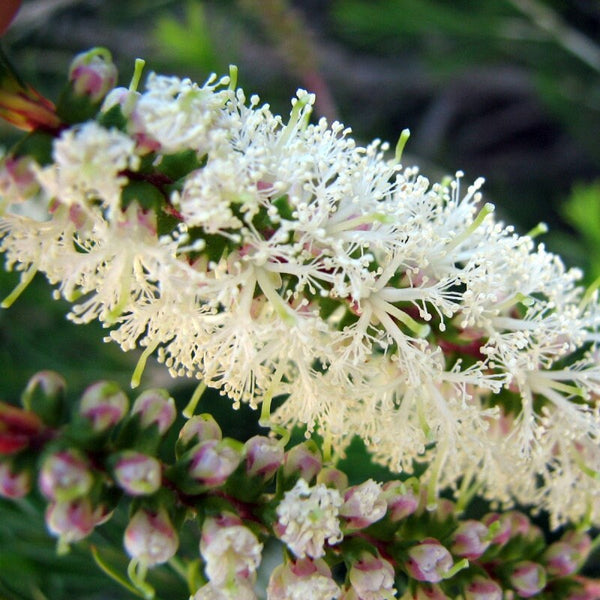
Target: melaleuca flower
280,258
302,579
363,504
308,517
371,578
231,552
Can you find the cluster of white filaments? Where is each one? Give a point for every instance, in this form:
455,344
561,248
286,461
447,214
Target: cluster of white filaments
288,260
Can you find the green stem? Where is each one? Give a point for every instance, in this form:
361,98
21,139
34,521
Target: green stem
188,411
141,365
108,570
404,135
136,572
26,278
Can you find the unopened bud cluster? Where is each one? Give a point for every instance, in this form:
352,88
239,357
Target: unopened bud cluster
359,541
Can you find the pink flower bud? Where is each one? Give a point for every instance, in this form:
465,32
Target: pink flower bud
18,428
304,578
104,404
199,429
482,588
333,478
13,484
519,523
562,559
45,396
214,461
580,541
470,540
528,578
93,74
372,577
428,591
155,407
401,500
500,527
363,504
263,456
70,521
150,537
589,589
137,473
65,476
303,460
428,561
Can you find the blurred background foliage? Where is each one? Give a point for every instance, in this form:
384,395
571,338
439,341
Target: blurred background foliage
508,89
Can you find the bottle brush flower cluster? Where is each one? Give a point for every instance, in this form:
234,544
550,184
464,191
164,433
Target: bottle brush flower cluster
278,257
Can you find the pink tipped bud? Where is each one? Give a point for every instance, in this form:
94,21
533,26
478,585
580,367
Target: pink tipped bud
482,588
401,500
17,180
363,504
519,523
65,476
333,478
528,578
150,537
199,429
155,407
470,540
580,541
137,473
70,521
428,561
13,484
372,577
589,589
45,396
428,591
104,404
303,460
214,461
561,559
93,74
263,456
500,526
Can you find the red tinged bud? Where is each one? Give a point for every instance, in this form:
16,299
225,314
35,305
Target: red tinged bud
13,483
528,578
263,456
18,428
428,561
